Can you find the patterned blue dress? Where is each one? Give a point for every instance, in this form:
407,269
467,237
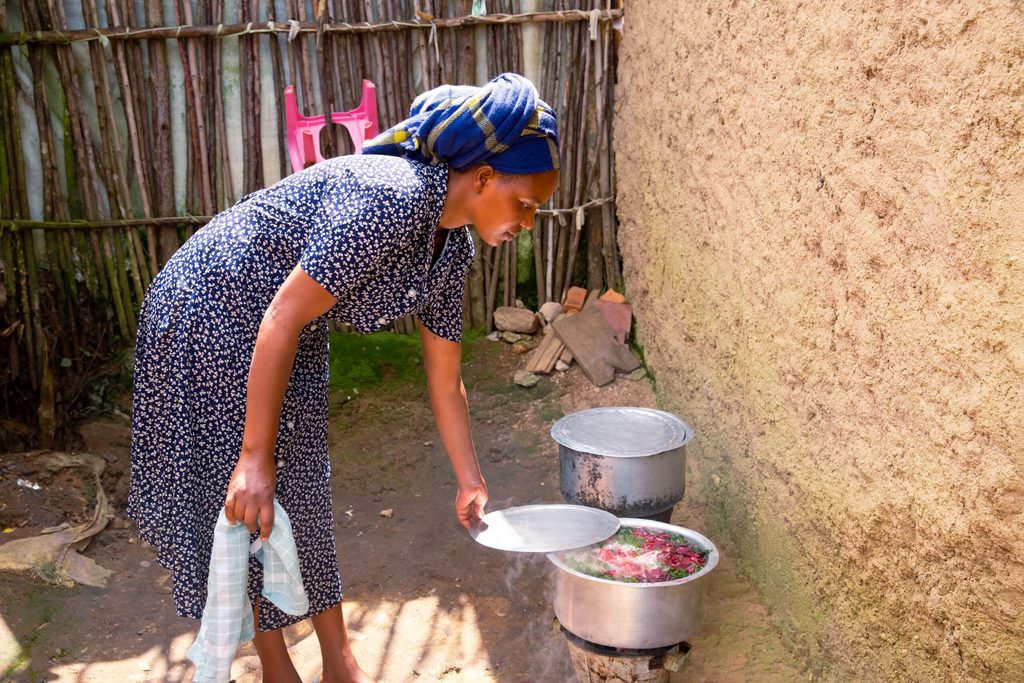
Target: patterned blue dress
361,226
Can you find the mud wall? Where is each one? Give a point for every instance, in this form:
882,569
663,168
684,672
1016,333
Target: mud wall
822,229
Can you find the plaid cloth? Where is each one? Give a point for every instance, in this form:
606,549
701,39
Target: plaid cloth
504,123
227,617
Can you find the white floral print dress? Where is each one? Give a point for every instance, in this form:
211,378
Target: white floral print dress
361,226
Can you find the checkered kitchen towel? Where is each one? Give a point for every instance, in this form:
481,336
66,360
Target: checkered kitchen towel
227,616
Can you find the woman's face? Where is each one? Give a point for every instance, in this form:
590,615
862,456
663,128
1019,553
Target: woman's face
506,204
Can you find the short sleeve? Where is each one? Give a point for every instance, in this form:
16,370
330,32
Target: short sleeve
356,232
442,312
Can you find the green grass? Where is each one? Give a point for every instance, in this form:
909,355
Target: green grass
549,412
361,362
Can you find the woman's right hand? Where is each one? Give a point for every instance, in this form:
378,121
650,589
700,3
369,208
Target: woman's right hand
250,498
470,502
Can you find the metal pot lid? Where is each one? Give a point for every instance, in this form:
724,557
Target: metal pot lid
544,528
621,432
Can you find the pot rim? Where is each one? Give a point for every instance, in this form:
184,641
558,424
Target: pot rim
689,534
567,442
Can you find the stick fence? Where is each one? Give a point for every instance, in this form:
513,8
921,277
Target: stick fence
126,127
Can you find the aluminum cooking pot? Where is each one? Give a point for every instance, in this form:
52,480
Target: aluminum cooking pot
628,461
634,615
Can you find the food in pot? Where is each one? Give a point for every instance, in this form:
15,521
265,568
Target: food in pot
639,555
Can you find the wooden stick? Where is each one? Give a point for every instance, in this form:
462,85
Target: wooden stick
367,63
565,105
22,247
80,147
122,281
145,130
114,171
475,285
277,66
342,73
389,47
136,256
611,268
121,59
24,262
134,117
36,324
196,112
349,44
116,296
579,167
382,72
53,204
492,284
404,40
307,44
115,178
7,254
250,69
189,31
328,70
223,188
9,137
24,224
509,281
546,87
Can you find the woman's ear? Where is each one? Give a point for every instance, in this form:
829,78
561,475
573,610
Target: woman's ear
483,174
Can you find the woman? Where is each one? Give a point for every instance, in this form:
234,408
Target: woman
230,398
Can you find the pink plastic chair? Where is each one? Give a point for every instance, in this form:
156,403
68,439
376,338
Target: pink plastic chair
304,131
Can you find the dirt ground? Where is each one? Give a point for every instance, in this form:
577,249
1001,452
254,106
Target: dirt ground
423,601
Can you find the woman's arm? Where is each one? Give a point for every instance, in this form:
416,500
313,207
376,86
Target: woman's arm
442,360
250,496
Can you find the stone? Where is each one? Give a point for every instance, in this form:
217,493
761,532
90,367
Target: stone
559,365
637,374
388,513
525,379
494,336
521,347
522,320
551,310
511,337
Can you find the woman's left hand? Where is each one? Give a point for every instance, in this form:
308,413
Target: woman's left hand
469,504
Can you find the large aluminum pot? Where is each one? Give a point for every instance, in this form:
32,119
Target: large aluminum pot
628,461
634,615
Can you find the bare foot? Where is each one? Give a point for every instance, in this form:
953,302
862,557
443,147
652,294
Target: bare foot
352,673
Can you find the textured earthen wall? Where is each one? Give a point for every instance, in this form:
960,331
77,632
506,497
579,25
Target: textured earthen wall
823,232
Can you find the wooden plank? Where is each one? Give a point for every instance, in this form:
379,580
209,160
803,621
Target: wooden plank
543,359
550,350
592,342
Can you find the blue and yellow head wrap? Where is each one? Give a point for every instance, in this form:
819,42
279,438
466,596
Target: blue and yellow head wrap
504,124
